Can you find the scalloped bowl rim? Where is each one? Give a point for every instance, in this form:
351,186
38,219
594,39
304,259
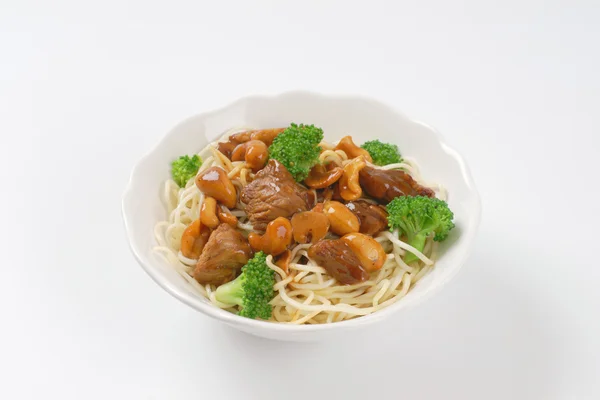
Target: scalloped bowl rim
253,325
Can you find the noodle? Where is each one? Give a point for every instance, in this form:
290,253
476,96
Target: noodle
306,293
274,267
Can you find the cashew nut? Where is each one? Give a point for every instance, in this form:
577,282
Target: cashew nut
256,155
277,237
368,250
349,182
320,177
254,152
227,148
227,218
342,221
351,149
239,152
193,239
208,213
309,226
214,182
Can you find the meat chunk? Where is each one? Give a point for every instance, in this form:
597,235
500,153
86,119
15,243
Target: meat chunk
385,185
266,135
274,193
339,260
226,252
372,217
227,148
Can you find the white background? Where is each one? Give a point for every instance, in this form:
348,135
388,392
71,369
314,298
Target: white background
87,89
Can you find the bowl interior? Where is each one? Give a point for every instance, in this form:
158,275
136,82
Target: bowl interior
361,118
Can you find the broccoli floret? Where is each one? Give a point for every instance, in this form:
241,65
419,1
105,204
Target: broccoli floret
418,217
297,148
185,168
252,290
382,153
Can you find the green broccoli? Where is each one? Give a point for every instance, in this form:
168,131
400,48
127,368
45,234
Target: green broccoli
252,290
382,153
185,168
418,217
297,148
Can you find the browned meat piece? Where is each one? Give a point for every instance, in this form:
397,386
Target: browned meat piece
240,137
372,217
226,252
339,260
266,135
274,193
227,148
385,185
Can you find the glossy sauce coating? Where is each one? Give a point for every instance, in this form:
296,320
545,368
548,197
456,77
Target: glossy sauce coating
339,260
385,185
341,219
226,252
227,218
264,135
367,250
320,177
194,239
351,149
277,237
274,193
309,226
214,182
372,217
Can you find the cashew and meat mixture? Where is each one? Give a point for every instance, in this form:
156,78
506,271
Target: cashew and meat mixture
280,225
336,207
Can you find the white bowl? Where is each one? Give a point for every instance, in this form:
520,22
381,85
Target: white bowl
364,119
